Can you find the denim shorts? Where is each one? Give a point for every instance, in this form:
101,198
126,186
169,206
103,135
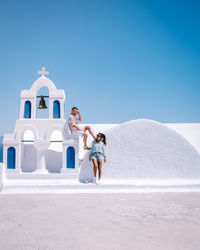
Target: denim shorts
98,156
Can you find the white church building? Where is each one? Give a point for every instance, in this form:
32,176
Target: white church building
28,148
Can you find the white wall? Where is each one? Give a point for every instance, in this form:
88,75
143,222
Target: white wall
191,132
149,152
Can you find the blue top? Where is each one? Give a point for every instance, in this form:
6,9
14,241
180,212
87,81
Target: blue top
97,147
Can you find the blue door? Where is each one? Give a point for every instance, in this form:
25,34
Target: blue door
70,157
27,110
56,109
11,158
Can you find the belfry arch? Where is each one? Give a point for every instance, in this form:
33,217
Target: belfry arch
36,141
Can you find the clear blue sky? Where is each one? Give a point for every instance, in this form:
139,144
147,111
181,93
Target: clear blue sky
116,60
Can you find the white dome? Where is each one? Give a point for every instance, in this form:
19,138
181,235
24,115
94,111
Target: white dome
148,151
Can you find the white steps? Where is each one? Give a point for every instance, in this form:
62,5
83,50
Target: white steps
72,186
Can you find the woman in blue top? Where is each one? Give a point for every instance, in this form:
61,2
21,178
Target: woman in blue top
97,155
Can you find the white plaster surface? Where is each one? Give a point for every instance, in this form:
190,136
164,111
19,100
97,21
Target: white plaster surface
169,221
191,132
145,151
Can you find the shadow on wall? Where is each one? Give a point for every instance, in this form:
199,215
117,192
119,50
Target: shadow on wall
1,149
86,171
29,158
53,161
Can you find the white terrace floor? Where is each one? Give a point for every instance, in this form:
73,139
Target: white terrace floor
153,221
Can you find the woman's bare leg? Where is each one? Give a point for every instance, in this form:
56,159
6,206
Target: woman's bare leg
100,169
94,161
90,131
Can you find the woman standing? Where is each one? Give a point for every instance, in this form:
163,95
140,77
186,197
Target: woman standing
97,155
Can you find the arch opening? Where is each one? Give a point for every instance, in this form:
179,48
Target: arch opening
70,157
27,110
43,113
28,152
11,158
28,137
56,109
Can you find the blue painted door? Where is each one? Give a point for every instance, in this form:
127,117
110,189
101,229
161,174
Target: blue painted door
27,110
11,158
56,109
70,157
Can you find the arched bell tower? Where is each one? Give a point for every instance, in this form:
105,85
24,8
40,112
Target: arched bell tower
32,143
29,97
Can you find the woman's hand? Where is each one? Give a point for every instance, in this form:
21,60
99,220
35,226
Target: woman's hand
104,159
90,158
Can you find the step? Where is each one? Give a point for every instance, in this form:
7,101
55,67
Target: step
77,187
38,176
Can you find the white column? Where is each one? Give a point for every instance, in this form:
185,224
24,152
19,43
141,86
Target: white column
62,109
18,158
42,148
51,108
5,150
41,165
21,116
76,146
34,108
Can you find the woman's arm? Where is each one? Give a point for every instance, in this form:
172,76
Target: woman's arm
103,149
90,155
92,148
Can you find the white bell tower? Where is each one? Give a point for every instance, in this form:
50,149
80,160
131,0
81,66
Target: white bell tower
42,132
29,100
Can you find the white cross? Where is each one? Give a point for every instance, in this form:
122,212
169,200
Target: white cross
43,72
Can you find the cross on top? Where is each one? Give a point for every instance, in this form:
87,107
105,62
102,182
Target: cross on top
43,72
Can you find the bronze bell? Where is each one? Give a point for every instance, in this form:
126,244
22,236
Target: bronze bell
42,104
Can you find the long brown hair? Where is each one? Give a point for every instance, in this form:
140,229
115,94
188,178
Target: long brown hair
103,138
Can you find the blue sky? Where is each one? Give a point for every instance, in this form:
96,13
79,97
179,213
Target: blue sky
116,60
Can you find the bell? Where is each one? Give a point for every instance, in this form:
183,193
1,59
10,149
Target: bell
42,104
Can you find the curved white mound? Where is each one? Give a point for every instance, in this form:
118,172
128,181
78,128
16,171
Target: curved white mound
149,151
